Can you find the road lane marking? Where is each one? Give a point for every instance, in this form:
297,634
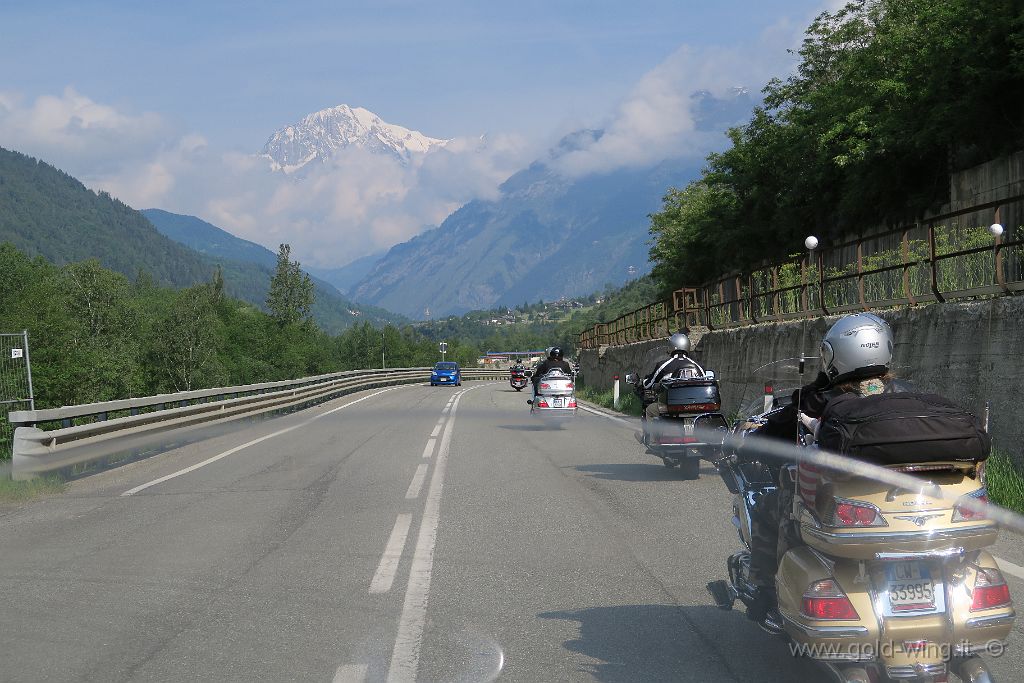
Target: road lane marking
437,429
428,450
608,417
232,451
417,482
405,658
388,566
351,673
1008,567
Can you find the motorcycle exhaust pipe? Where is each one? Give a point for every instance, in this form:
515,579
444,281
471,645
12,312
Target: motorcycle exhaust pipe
973,670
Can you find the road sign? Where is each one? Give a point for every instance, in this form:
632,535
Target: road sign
17,353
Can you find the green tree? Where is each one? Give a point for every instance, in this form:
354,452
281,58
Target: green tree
187,337
291,290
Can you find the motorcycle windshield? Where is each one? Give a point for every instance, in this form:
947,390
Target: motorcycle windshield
772,384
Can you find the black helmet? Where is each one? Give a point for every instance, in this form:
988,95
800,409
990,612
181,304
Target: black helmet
555,353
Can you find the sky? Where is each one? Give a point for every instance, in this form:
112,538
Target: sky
163,104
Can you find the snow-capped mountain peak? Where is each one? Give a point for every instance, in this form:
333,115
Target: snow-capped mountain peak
320,135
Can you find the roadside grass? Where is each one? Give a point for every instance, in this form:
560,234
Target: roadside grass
1004,480
18,491
629,403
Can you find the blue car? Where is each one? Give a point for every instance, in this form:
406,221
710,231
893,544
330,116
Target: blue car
446,373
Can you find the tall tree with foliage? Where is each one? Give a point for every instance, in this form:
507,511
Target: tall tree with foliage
889,97
291,290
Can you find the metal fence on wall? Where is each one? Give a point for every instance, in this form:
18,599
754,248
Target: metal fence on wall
15,384
945,257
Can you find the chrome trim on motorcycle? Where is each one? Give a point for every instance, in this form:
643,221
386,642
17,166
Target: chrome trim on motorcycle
825,631
915,670
877,537
994,620
923,555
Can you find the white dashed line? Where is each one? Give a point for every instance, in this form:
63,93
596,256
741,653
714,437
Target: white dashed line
417,482
405,658
428,450
350,673
388,566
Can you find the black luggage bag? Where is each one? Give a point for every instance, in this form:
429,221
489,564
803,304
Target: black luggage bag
896,428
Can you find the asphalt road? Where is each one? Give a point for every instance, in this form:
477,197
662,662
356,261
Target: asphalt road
437,534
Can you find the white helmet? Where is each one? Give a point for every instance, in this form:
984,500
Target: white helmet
679,342
857,346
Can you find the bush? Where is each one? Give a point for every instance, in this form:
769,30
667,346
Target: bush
1005,481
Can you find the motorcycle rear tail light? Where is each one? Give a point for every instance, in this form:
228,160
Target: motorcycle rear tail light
965,514
850,513
990,590
545,385
572,403
542,404
569,385
825,600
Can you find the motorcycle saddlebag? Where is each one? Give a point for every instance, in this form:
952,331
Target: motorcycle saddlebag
902,428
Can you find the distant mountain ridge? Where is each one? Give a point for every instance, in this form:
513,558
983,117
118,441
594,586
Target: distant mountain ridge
322,134
546,236
253,264
345,277
208,239
46,212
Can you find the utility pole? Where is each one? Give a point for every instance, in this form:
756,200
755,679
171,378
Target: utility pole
382,365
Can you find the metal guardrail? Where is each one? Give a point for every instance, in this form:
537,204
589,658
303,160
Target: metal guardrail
94,431
942,258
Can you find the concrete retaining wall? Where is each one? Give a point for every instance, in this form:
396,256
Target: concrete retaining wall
972,352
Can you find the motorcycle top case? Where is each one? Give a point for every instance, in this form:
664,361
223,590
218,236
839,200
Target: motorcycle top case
902,428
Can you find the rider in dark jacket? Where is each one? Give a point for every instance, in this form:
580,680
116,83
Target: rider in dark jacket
856,354
554,362
678,365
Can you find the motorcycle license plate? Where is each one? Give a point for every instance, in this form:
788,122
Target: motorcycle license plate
910,587
558,403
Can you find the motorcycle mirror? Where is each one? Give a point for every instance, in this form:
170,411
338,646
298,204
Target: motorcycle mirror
710,374
529,401
529,373
631,378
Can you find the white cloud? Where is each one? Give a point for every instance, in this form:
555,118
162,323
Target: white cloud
358,204
657,120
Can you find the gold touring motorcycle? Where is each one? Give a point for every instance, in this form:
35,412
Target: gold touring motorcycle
888,583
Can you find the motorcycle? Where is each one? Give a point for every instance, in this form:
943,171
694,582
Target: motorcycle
555,400
688,425
880,582
518,380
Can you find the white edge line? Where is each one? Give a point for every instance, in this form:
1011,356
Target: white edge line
405,657
417,482
607,416
231,451
428,450
350,673
437,430
1010,568
388,565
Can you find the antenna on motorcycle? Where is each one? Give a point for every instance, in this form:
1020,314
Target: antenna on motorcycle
811,242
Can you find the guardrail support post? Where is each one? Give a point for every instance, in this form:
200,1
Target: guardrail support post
932,263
